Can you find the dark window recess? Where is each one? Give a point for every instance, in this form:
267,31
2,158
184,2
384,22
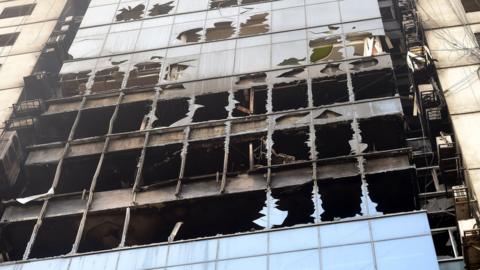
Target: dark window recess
382,133
471,5
477,37
17,11
55,237
170,111
330,90
386,13
297,201
341,198
8,39
77,174
52,128
201,218
37,179
118,170
374,84
150,225
102,231
250,101
213,107
108,79
205,158
145,73
393,192
290,146
247,152
444,248
219,215
14,238
288,96
333,140
94,122
130,116
162,164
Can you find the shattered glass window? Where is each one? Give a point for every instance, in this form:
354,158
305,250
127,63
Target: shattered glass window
130,11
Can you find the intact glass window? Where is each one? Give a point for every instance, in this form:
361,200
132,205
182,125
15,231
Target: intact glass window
17,11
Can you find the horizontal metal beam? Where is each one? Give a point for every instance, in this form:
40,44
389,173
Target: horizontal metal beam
216,129
117,199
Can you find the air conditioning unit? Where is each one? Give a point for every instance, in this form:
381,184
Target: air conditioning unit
11,158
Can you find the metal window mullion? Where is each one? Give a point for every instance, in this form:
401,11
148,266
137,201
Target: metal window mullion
56,178
228,129
141,160
95,177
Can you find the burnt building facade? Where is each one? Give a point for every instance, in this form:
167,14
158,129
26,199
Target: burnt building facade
220,134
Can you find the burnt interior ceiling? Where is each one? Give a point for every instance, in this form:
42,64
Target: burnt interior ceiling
170,111
288,96
341,198
162,164
15,237
198,165
332,140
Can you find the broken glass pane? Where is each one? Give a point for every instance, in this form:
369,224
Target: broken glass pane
132,11
161,8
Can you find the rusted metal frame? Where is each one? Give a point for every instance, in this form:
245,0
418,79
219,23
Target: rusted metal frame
251,108
126,224
183,154
93,185
228,128
270,128
56,179
150,117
